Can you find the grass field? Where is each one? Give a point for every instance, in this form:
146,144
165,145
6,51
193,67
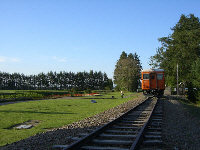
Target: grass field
50,114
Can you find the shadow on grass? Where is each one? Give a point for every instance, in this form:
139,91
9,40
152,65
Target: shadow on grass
39,112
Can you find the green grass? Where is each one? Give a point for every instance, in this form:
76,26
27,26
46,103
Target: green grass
44,92
51,113
110,94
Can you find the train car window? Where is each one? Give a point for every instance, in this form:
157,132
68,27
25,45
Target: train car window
152,76
159,76
145,76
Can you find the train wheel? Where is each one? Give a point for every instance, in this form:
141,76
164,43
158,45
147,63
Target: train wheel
145,92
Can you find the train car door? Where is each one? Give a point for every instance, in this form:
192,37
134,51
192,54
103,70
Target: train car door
153,81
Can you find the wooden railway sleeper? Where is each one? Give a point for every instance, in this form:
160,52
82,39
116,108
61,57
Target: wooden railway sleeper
117,133
153,137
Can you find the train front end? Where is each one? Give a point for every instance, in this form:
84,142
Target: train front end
153,81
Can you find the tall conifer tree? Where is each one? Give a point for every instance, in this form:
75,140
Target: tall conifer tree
127,72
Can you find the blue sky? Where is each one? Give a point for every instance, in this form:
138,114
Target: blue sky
82,35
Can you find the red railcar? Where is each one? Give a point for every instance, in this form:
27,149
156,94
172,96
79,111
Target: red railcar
153,81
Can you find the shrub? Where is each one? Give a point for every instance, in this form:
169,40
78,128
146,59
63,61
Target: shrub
22,96
192,94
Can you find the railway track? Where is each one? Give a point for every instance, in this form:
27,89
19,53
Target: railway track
139,127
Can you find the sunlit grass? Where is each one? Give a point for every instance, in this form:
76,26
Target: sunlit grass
51,113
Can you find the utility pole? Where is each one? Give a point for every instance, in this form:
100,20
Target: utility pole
177,80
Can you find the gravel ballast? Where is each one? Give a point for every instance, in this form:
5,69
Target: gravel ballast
61,136
180,130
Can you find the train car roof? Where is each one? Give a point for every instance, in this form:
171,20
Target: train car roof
151,70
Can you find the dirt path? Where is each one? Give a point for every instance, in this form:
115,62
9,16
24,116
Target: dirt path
68,97
13,102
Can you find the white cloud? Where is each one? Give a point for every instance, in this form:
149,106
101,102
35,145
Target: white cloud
56,58
14,59
9,59
59,59
2,59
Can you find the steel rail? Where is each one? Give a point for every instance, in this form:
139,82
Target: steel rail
140,135
80,143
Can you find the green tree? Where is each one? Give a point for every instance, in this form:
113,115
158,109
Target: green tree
182,47
54,80
196,73
127,72
120,72
123,55
136,74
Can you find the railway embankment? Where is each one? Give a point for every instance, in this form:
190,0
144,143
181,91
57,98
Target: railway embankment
181,130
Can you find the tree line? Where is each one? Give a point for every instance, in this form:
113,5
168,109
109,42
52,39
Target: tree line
181,48
56,81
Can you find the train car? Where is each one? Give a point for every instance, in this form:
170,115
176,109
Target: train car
153,81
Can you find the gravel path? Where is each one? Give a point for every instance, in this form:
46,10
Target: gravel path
181,131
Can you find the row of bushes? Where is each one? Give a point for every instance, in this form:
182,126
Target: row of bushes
67,95
42,94
21,96
35,96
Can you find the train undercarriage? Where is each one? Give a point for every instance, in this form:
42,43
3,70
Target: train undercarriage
153,92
